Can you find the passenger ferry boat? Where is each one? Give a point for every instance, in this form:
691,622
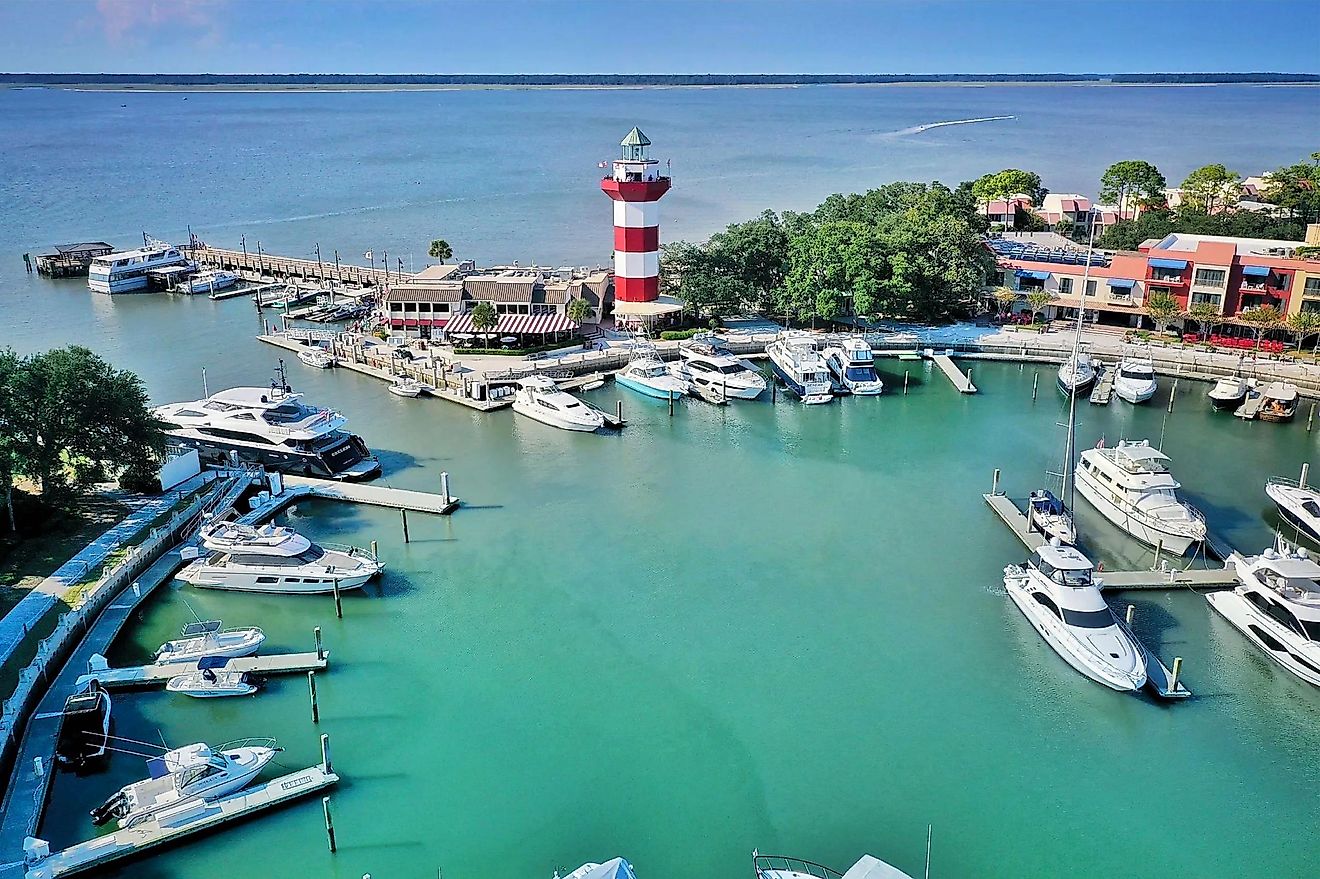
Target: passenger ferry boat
1131,485
795,360
1277,606
126,271
272,427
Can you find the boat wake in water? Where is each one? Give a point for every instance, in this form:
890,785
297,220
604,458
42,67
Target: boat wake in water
918,129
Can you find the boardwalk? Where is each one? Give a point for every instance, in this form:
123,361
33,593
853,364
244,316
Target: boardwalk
256,266
158,674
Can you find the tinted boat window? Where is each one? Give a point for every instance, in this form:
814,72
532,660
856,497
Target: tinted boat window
1088,619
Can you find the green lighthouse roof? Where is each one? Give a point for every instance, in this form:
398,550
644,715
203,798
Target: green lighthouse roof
635,138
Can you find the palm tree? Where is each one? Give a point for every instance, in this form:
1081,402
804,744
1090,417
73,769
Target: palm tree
1204,313
484,317
1303,323
579,309
1261,319
440,250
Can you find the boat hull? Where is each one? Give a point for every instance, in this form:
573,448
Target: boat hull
533,412
1282,503
648,390
355,463
1134,393
1226,402
1150,535
813,393
1268,635
205,576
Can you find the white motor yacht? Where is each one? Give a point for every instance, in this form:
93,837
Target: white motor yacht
1277,606
180,775
615,868
1077,374
1228,393
1134,380
794,358
126,271
1057,593
208,638
405,386
779,867
1131,485
84,728
211,680
714,369
275,559
1048,515
316,356
1297,505
853,365
211,280
648,375
272,427
539,398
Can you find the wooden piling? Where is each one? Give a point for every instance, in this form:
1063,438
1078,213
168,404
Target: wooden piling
375,550
670,395
444,486
320,651
1310,418
1306,471
618,411
994,482
1173,393
1177,670
969,377
905,382
1159,550
311,687
339,607
326,765
329,824
1035,380
1131,611
403,514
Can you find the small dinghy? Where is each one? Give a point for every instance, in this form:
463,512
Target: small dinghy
206,638
212,680
317,357
405,386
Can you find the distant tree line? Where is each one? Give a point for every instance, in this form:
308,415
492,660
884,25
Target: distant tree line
679,79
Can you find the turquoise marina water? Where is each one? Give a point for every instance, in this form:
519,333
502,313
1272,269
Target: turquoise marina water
751,626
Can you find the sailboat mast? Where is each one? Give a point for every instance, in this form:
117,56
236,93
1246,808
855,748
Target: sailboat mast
1070,452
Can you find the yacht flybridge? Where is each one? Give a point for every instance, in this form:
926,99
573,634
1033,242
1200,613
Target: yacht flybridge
271,426
852,364
126,271
1131,485
275,559
193,772
1057,593
1277,606
715,369
779,867
795,360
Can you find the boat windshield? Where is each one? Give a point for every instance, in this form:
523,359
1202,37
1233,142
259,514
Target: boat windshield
1075,577
1140,373
311,553
730,369
860,373
1088,619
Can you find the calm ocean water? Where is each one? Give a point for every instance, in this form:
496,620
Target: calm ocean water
746,627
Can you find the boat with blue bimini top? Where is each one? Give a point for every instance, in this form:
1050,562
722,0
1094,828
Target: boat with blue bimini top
852,363
794,358
1048,515
212,680
647,374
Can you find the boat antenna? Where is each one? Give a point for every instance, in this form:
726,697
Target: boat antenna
929,829
191,611
1070,449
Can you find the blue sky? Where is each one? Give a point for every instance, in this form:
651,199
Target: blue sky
660,36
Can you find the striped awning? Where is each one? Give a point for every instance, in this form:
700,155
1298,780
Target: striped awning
539,324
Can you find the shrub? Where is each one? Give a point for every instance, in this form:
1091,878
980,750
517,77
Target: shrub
680,335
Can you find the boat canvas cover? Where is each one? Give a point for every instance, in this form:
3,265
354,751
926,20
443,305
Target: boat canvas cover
873,868
617,868
212,662
1280,391
1294,568
201,627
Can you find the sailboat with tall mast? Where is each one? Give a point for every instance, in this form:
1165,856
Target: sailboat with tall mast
1045,513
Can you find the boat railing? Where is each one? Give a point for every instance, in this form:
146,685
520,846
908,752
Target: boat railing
1284,481
768,864
350,550
249,742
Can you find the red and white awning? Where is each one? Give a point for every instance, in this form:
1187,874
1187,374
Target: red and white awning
515,324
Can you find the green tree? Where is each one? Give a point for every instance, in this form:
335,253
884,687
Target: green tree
1296,189
1205,314
579,309
1261,319
838,266
1004,299
70,417
10,464
703,277
1210,188
1007,183
484,317
1039,299
440,250
754,255
1162,308
1132,180
1304,323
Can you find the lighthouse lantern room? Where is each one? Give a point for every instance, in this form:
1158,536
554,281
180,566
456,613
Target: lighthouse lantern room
636,186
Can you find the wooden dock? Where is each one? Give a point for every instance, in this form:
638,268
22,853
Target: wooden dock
1195,578
376,495
955,375
189,817
261,265
245,290
158,674
1103,391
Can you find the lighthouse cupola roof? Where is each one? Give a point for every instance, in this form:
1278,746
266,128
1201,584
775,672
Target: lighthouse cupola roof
634,146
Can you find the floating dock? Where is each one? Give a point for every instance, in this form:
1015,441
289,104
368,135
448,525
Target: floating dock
955,375
376,495
1250,408
1174,578
1103,391
193,816
244,290
157,674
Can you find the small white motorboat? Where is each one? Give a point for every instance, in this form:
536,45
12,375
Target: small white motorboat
1279,402
212,680
211,281
539,398
780,867
207,638
316,356
615,868
1228,393
1134,382
405,386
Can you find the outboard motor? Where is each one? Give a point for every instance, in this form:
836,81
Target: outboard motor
115,807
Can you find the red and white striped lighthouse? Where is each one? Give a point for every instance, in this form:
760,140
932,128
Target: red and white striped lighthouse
636,185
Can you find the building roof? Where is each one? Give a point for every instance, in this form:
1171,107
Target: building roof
489,288
413,292
635,138
83,246
437,273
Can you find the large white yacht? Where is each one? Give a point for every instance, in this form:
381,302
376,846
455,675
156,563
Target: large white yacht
1134,381
126,271
270,426
795,360
1277,606
1057,593
539,398
1298,505
852,363
275,559
1077,374
193,772
1131,485
780,867
716,370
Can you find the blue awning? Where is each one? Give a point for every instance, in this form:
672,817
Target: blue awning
1027,273
1256,271
1178,264
1122,282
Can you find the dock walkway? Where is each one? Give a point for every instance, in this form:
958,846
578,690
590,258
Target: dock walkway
190,817
158,674
955,375
1103,392
375,495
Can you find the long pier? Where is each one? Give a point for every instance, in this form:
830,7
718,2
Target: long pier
962,382
159,673
259,265
376,495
